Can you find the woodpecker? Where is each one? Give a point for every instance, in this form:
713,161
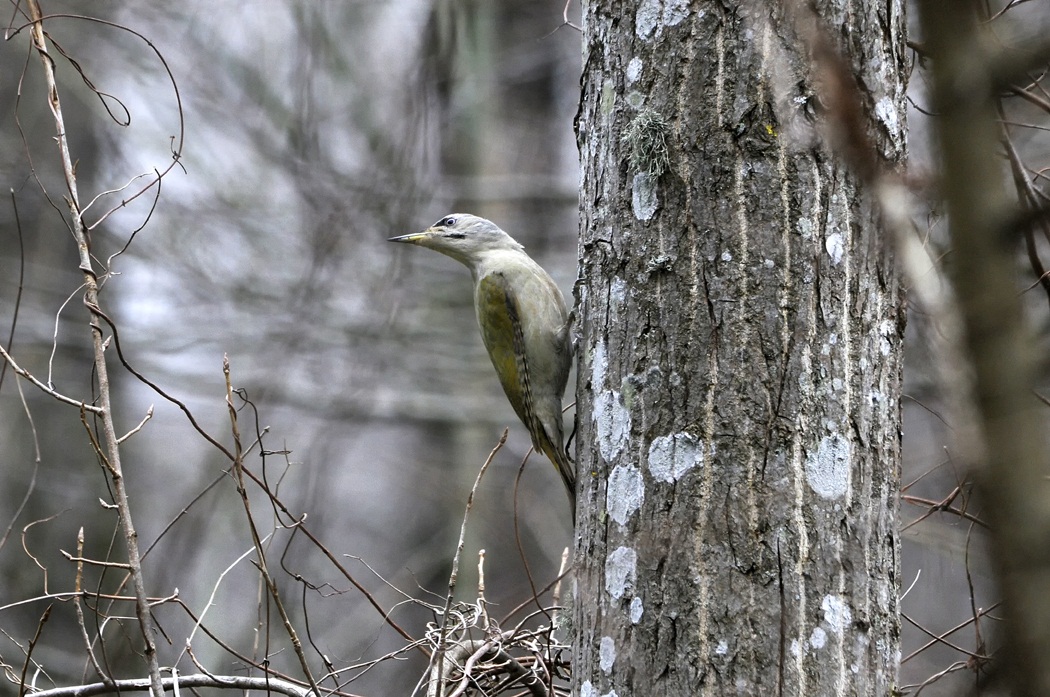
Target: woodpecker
524,325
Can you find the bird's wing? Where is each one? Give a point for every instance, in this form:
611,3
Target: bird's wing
501,330
504,334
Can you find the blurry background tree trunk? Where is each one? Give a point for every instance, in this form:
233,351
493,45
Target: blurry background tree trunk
1005,444
740,365
272,250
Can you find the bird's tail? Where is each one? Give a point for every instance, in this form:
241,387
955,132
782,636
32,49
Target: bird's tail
566,470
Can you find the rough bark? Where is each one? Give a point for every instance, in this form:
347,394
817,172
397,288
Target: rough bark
740,358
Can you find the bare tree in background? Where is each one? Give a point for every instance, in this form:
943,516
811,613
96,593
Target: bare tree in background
280,262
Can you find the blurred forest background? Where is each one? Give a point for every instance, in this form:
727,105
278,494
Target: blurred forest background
308,133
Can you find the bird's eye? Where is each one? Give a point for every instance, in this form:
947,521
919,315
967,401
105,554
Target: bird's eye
449,221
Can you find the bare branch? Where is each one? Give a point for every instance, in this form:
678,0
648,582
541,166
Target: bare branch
29,651
21,284
36,467
438,668
232,682
94,562
147,417
101,369
80,611
44,388
474,651
214,591
271,585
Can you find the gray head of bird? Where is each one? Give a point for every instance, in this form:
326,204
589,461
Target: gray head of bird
464,237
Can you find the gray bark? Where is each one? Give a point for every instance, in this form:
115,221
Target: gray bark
740,358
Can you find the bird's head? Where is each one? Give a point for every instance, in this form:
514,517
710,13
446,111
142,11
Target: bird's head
463,237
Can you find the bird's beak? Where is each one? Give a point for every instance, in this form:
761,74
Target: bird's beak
414,238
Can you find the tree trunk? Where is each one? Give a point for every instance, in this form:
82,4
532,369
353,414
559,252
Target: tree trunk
740,359
1007,438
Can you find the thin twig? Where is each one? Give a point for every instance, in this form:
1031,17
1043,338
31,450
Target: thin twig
473,651
78,606
211,599
332,558
94,562
21,282
47,390
29,651
941,639
437,663
177,141
517,537
147,417
271,584
230,682
36,468
937,639
942,506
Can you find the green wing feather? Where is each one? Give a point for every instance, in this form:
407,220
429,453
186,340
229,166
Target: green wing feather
501,331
